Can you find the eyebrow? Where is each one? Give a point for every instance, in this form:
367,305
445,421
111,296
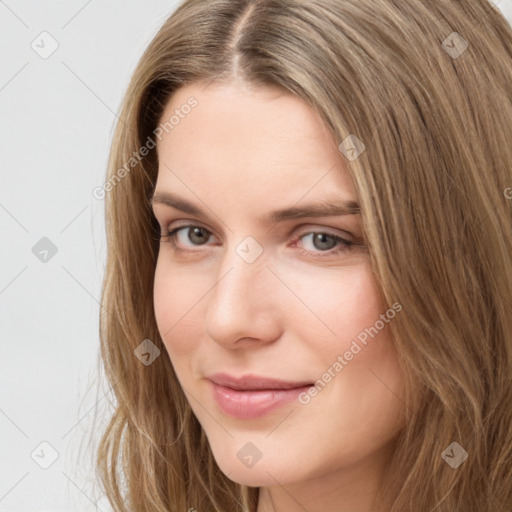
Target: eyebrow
322,209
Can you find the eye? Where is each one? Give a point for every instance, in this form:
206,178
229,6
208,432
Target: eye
322,243
196,234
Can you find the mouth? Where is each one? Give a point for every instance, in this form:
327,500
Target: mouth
253,382
251,397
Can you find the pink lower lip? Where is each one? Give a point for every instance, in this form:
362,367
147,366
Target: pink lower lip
252,404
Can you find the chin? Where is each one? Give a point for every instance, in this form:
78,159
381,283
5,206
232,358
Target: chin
262,473
251,479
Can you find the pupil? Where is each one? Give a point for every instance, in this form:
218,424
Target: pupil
195,231
321,237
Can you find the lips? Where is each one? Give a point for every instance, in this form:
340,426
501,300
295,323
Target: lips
254,382
251,396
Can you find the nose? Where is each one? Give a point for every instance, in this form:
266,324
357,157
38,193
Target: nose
243,307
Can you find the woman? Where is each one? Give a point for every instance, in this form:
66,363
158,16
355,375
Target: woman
308,290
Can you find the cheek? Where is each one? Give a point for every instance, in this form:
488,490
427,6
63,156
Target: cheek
350,351
175,297
348,342
342,306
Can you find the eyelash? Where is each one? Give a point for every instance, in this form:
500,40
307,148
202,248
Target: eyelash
344,246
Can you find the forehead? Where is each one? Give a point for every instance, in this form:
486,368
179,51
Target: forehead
254,145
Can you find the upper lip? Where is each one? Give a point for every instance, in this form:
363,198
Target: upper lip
251,381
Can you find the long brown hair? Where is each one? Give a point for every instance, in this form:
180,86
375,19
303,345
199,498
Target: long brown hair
427,88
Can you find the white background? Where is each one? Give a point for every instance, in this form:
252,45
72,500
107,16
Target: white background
57,118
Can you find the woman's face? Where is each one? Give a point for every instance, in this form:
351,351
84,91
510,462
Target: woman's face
247,291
